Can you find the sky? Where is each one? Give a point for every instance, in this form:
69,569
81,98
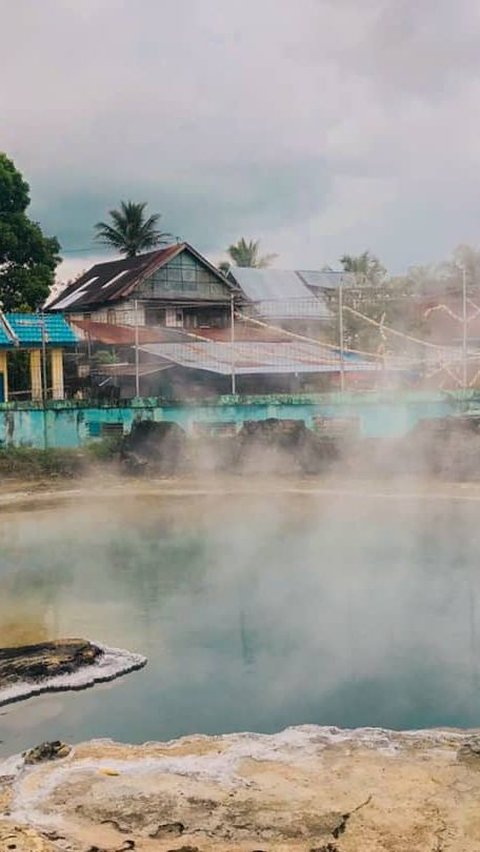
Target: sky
317,126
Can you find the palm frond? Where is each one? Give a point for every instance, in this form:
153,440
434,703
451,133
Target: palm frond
130,231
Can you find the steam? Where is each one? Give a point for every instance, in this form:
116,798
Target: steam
256,610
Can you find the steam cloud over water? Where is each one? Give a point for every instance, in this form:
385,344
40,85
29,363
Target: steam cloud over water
255,612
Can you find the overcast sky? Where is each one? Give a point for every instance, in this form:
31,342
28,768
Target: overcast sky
319,126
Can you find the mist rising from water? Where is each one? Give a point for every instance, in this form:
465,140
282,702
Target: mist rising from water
255,612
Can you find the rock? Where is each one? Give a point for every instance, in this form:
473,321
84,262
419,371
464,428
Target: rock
167,829
307,789
21,839
46,751
184,849
469,751
45,660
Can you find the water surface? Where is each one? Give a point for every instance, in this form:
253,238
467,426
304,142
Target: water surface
255,612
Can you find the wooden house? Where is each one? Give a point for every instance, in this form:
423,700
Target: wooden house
174,287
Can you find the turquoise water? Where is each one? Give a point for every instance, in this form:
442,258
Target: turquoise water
255,613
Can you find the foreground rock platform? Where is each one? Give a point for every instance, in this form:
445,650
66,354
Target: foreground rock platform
307,788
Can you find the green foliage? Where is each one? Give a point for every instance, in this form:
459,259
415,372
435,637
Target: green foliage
27,258
105,356
386,300
129,231
29,463
248,254
105,450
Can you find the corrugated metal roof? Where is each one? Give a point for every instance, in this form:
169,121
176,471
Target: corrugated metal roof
279,293
131,369
124,335
243,331
6,339
27,329
250,358
106,283
326,279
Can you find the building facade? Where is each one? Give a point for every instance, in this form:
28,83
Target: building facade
174,287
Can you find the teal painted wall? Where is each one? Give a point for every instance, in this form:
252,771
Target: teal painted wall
73,424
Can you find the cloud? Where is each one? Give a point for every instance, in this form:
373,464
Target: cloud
320,127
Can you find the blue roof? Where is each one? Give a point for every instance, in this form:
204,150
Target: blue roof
27,330
5,339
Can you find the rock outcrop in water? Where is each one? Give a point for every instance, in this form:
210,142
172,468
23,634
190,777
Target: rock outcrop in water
45,660
60,665
306,789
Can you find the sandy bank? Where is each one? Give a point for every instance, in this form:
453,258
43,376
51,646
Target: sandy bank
306,788
22,494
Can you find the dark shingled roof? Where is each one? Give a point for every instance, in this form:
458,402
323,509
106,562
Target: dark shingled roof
108,282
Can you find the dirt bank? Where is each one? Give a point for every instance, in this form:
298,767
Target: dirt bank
304,789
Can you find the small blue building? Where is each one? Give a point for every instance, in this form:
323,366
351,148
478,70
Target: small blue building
43,336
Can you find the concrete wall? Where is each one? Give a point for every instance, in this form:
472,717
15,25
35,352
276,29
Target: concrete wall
73,424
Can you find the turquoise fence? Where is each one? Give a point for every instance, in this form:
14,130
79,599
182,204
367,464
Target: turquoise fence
377,415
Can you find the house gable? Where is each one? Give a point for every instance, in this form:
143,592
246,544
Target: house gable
185,276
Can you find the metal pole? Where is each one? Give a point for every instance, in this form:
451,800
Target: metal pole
464,340
44,382
232,341
44,360
137,363
340,330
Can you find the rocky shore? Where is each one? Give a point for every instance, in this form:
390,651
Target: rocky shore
307,788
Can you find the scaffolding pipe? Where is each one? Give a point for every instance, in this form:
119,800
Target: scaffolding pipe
464,336
232,343
340,329
137,361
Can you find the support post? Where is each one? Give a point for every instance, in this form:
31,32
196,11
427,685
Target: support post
340,334
36,375
232,343
4,373
137,359
464,336
57,374
44,360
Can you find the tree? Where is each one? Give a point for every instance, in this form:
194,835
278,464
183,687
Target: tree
366,268
130,231
247,254
27,258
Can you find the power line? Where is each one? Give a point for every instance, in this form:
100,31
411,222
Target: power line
75,250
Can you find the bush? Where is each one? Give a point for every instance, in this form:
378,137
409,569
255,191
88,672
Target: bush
106,449
30,463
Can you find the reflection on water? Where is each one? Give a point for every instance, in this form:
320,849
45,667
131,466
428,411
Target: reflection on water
253,614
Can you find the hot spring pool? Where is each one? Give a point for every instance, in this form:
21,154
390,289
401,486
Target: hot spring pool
255,613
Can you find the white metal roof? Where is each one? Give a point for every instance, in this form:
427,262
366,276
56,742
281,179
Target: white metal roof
248,358
279,293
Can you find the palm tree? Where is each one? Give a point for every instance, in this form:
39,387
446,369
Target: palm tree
247,254
130,231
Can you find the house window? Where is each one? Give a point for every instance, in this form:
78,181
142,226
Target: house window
87,316
174,317
111,319
154,316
